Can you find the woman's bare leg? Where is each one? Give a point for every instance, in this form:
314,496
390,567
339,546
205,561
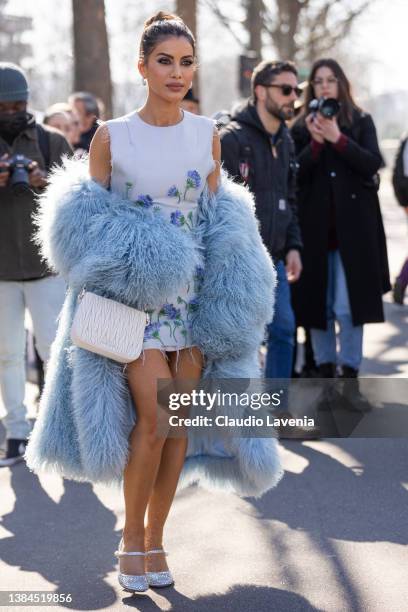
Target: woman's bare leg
189,366
145,452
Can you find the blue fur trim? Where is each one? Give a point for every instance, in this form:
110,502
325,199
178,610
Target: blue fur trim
237,296
53,442
93,237
252,469
102,414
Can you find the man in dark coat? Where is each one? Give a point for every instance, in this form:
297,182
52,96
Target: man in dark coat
257,150
25,280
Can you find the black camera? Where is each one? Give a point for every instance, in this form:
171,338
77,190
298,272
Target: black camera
328,107
19,168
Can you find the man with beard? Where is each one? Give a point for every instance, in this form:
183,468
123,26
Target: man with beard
25,281
257,150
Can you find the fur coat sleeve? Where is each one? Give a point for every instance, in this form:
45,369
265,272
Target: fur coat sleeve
93,237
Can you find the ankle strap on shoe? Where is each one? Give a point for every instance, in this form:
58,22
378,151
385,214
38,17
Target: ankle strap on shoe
156,550
122,553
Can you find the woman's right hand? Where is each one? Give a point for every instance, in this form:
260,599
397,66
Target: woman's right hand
314,127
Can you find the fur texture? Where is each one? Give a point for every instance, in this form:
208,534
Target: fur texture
97,239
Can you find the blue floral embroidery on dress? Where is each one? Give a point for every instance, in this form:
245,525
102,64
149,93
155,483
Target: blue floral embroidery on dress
170,311
177,218
144,200
193,181
190,307
193,304
171,323
173,192
152,330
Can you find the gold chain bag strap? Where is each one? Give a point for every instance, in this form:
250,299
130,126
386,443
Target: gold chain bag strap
108,328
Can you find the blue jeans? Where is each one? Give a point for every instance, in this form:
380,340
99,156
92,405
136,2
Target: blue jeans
338,309
281,330
44,299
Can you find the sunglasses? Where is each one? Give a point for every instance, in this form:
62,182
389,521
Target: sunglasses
286,89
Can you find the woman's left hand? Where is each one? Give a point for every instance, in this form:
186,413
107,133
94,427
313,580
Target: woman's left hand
214,178
330,129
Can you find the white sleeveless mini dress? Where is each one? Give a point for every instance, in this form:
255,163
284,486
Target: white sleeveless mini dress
165,168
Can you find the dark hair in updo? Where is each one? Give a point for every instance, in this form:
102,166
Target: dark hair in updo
161,26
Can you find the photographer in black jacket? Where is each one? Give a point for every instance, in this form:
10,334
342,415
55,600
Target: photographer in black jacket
257,150
27,150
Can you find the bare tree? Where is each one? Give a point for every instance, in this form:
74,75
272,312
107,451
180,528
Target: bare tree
91,50
254,23
187,10
283,25
303,30
299,30
324,30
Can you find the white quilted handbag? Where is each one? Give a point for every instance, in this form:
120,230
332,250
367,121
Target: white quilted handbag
108,328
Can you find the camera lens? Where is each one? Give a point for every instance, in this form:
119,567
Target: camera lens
19,180
329,108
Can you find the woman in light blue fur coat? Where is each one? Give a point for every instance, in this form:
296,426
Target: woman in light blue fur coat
139,243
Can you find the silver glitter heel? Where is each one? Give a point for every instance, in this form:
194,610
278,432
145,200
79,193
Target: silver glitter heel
159,579
128,581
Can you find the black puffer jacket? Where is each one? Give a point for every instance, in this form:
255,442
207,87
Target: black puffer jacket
272,178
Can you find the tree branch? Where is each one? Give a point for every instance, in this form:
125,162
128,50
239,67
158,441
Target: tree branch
342,28
224,20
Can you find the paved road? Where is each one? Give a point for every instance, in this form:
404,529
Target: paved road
333,536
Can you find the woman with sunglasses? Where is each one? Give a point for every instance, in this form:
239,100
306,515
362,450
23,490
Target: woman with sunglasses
345,261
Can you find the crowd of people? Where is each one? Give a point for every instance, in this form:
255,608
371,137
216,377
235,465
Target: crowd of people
156,229
315,189
315,181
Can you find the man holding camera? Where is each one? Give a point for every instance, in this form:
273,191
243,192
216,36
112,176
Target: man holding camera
27,151
257,150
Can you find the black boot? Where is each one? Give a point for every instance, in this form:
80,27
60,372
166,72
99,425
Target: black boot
350,392
348,372
326,370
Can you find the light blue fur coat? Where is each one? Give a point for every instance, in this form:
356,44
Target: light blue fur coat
94,237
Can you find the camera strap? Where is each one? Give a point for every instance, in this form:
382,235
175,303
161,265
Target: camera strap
44,144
